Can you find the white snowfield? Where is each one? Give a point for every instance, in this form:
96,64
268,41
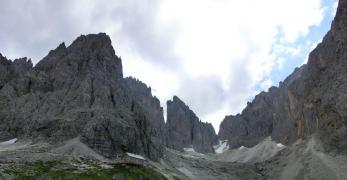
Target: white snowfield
260,152
189,149
13,144
221,147
280,145
9,142
242,147
136,156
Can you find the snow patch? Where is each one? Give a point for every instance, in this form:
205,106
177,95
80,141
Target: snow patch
9,142
189,149
242,147
221,147
135,156
280,145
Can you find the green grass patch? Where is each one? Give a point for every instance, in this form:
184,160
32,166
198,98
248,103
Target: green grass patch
176,178
59,170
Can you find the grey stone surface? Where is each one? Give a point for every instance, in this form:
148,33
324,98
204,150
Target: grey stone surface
185,130
311,100
80,91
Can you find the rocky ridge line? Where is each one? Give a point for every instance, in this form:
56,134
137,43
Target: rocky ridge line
311,100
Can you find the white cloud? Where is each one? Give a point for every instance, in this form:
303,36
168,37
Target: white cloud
219,37
333,12
212,53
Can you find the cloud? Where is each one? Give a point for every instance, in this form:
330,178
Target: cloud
204,93
215,55
238,43
32,28
333,12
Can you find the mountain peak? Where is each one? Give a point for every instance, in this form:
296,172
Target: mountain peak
340,20
88,55
93,41
185,130
176,99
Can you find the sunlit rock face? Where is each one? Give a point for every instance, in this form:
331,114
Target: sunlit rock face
311,100
185,130
80,91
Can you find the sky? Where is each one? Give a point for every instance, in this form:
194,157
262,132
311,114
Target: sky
215,55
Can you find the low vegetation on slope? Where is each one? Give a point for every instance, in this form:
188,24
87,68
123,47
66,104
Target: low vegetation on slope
60,170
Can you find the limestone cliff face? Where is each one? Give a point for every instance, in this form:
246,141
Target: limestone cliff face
148,112
185,130
80,91
311,100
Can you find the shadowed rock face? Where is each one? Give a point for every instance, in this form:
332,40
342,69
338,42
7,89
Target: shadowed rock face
185,130
148,113
80,91
312,99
